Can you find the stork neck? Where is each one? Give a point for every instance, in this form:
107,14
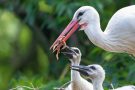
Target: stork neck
97,84
75,62
75,75
96,35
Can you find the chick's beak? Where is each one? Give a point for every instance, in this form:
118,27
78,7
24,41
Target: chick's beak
82,69
67,51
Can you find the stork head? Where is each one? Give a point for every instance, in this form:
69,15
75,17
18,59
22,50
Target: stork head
73,54
82,18
95,72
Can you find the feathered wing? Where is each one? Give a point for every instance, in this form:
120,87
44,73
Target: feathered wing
121,29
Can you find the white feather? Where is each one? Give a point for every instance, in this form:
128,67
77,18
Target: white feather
119,35
77,82
98,75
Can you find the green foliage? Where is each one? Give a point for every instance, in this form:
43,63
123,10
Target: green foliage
29,27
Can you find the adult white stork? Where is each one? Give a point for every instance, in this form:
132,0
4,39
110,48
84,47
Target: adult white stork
119,35
96,73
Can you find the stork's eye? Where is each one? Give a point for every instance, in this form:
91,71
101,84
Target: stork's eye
80,14
93,68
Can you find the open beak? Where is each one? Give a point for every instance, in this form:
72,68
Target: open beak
67,51
82,69
65,35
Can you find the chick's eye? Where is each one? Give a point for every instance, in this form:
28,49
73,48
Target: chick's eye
92,67
76,51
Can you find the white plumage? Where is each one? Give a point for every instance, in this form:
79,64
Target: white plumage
77,82
97,74
119,33
130,87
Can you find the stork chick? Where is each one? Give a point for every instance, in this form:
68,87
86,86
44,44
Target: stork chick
77,82
97,74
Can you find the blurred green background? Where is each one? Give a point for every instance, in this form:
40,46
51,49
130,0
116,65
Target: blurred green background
29,27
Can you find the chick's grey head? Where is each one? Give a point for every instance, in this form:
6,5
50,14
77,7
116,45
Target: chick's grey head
73,54
94,71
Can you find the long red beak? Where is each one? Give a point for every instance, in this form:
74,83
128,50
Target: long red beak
68,31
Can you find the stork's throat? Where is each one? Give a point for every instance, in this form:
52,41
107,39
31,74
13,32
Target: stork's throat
83,26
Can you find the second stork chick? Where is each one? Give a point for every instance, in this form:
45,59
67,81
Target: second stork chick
97,74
